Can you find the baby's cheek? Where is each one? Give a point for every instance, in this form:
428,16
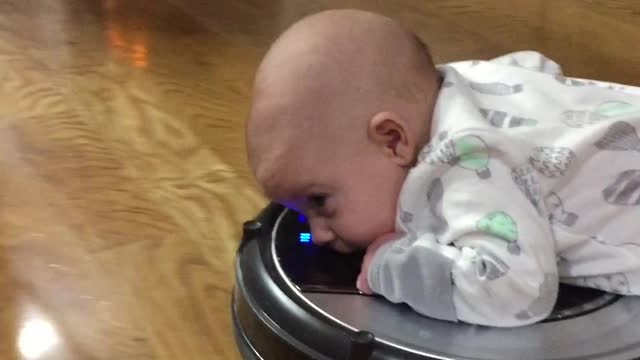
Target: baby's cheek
364,227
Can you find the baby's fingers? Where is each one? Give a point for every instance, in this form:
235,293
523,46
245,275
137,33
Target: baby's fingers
363,284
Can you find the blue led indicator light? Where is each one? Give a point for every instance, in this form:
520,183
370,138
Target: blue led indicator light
302,219
305,237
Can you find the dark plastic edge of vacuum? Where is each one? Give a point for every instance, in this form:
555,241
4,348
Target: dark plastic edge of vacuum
245,348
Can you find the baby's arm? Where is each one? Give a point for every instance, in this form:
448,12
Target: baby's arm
494,265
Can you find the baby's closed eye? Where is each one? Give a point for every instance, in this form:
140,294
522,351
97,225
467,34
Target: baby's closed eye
317,201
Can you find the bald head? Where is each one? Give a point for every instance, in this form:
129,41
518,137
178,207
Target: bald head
327,48
326,76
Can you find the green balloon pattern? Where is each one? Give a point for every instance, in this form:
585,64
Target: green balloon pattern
605,111
501,225
617,108
468,152
473,154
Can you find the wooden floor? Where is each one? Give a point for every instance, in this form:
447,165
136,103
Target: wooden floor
123,182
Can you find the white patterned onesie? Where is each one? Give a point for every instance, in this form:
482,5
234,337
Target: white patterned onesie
530,179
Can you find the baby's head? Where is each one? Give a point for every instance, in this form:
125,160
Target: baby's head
342,105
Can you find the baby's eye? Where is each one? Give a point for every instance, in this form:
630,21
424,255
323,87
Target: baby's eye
317,201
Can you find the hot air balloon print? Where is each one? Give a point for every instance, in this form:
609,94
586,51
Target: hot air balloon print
620,136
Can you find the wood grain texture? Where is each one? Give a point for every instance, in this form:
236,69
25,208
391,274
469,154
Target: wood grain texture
123,180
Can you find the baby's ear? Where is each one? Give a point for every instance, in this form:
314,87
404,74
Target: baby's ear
391,134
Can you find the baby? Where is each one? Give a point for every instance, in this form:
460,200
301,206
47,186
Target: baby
475,187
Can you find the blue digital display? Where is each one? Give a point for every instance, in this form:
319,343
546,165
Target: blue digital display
305,237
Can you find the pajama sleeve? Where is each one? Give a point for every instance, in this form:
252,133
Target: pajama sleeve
491,259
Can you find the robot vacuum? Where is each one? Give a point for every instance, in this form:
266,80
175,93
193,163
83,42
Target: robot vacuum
294,300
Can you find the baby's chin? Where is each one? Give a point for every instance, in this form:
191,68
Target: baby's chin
343,248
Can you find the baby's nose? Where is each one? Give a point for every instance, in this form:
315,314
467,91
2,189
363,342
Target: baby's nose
321,234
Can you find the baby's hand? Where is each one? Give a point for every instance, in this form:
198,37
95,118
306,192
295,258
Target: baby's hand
363,281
